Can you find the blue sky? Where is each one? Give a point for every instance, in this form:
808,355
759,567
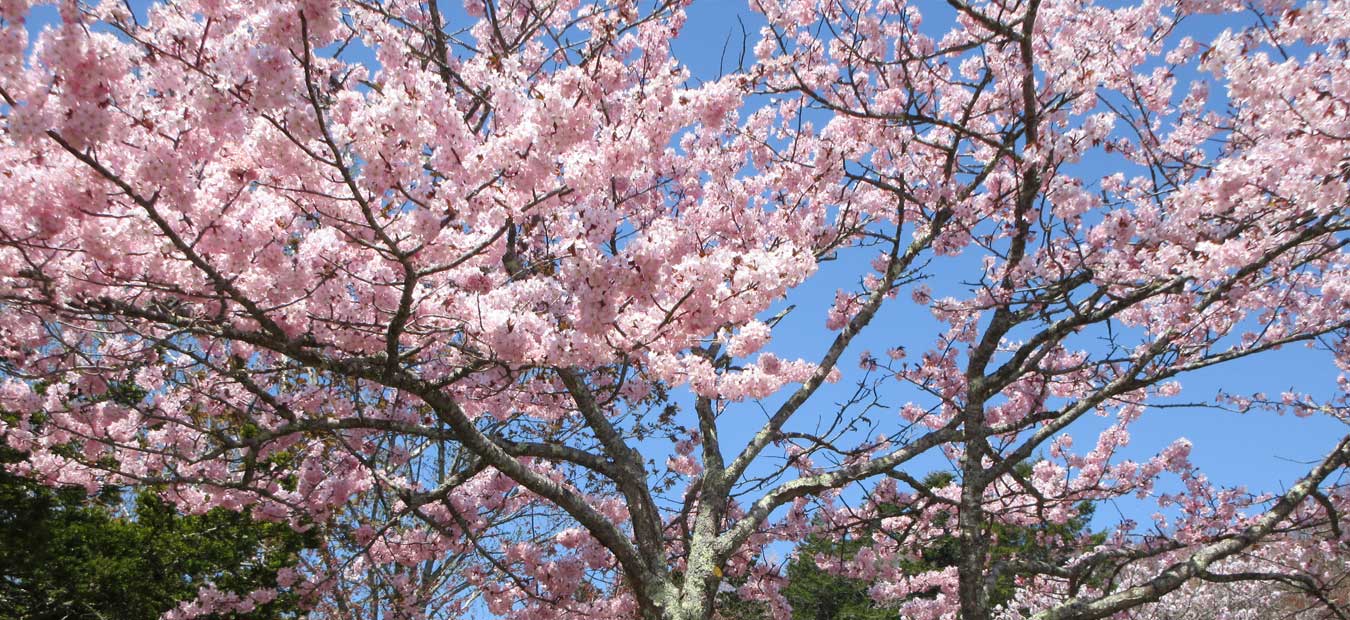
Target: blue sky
1259,449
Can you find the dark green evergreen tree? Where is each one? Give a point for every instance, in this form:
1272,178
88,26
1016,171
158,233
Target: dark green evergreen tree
67,556
126,554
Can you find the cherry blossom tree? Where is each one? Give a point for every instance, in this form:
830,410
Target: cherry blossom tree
495,292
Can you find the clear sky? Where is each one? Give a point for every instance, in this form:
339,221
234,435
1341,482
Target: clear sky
1259,449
